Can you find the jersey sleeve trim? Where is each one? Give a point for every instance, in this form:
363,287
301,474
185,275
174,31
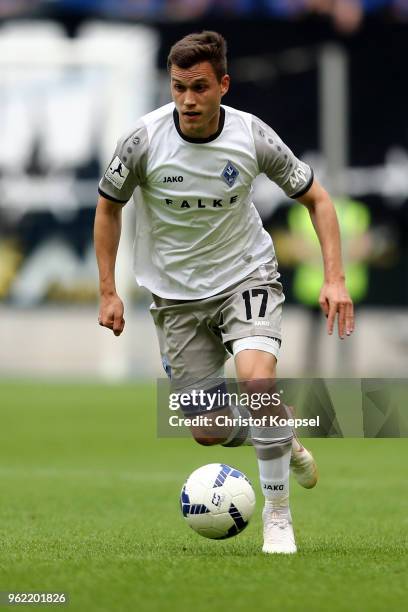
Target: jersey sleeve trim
109,197
306,188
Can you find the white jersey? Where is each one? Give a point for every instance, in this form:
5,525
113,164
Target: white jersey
198,231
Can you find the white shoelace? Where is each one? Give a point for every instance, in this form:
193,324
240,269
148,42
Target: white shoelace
276,520
282,523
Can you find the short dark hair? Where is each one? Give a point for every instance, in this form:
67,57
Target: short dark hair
205,46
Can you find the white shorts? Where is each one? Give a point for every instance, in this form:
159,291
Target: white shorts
196,337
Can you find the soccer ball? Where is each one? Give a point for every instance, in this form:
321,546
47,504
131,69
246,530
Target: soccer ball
217,501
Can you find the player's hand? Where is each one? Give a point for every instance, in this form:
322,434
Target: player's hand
335,300
111,313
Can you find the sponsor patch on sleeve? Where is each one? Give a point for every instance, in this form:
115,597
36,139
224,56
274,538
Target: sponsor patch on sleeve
117,173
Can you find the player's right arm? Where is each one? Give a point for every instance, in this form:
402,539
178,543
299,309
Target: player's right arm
107,230
125,172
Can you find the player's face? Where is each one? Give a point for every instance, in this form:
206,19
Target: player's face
197,95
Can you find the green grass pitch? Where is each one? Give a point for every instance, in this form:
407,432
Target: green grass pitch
89,506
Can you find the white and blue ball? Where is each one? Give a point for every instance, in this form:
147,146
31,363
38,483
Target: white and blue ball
217,501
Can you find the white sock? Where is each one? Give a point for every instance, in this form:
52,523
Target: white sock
273,447
274,474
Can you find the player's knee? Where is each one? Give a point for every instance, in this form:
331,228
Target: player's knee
258,386
258,370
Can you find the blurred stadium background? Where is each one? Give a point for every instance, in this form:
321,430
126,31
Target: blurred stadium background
329,76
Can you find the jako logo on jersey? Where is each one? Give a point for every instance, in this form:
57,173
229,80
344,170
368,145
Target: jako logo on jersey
229,174
297,175
173,179
273,487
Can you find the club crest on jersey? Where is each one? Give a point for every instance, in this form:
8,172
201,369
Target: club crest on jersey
229,174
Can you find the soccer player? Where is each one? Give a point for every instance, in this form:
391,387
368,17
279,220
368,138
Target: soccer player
202,252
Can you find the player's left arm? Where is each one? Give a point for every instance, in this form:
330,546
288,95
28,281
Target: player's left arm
334,298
